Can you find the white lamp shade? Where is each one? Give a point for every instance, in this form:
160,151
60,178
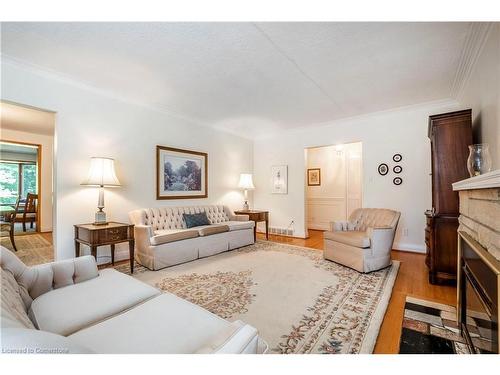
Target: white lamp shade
246,181
102,173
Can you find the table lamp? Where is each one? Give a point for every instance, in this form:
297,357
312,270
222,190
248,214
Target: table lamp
101,174
246,183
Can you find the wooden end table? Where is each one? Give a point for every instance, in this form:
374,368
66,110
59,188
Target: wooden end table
256,216
109,234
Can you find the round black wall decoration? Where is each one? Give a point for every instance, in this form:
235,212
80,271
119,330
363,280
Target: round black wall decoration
397,181
397,169
383,169
397,158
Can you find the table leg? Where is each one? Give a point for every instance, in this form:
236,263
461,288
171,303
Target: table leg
77,249
255,232
267,229
131,245
113,254
93,252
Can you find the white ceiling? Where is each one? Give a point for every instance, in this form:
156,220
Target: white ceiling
26,119
252,78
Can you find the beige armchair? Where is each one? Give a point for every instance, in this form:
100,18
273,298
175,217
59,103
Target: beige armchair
363,243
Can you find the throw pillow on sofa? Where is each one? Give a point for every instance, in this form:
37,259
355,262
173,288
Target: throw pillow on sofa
196,220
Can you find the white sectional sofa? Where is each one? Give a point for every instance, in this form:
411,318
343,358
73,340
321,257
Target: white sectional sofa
71,307
162,238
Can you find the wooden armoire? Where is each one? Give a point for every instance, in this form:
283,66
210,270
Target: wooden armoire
450,135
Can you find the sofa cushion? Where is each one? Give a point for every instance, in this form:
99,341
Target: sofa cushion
164,324
196,220
213,229
351,238
33,341
172,235
238,225
13,309
69,309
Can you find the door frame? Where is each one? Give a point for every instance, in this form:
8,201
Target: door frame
39,177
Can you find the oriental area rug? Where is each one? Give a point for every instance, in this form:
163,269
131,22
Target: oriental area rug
299,302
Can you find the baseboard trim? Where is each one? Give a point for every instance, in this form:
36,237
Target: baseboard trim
410,248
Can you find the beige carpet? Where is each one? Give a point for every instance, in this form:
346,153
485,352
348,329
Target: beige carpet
299,302
32,249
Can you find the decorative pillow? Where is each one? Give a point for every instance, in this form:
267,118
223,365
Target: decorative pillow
13,310
196,220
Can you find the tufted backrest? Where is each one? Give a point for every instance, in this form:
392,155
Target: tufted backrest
161,218
365,218
37,280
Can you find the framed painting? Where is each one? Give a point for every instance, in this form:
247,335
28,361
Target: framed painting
279,179
181,174
314,177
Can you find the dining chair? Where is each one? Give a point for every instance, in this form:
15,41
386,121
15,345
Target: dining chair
7,222
25,211
28,213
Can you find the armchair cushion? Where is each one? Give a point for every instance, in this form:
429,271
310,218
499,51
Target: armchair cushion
111,293
351,238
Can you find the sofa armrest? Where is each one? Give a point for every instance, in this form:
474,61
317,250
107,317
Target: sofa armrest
142,235
46,277
238,338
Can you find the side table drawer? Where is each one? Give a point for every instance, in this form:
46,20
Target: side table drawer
261,216
113,234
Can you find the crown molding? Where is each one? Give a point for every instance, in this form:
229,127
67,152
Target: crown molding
484,181
475,40
63,78
429,106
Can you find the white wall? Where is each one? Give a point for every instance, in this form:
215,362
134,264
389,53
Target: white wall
482,94
90,123
383,134
341,186
46,178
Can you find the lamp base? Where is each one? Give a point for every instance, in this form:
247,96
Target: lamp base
100,218
246,207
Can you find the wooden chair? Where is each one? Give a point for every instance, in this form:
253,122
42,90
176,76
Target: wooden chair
25,211
29,212
7,223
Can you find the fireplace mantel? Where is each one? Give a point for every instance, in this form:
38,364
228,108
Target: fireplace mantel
485,181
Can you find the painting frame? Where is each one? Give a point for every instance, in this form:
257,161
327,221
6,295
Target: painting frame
279,179
316,181
202,157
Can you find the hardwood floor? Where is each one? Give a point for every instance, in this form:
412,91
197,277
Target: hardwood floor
412,280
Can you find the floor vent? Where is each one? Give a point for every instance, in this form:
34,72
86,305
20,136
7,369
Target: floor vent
281,231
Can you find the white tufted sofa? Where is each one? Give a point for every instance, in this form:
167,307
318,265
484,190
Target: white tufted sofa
365,241
70,307
162,239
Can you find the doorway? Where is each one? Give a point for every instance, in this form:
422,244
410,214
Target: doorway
334,181
26,182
